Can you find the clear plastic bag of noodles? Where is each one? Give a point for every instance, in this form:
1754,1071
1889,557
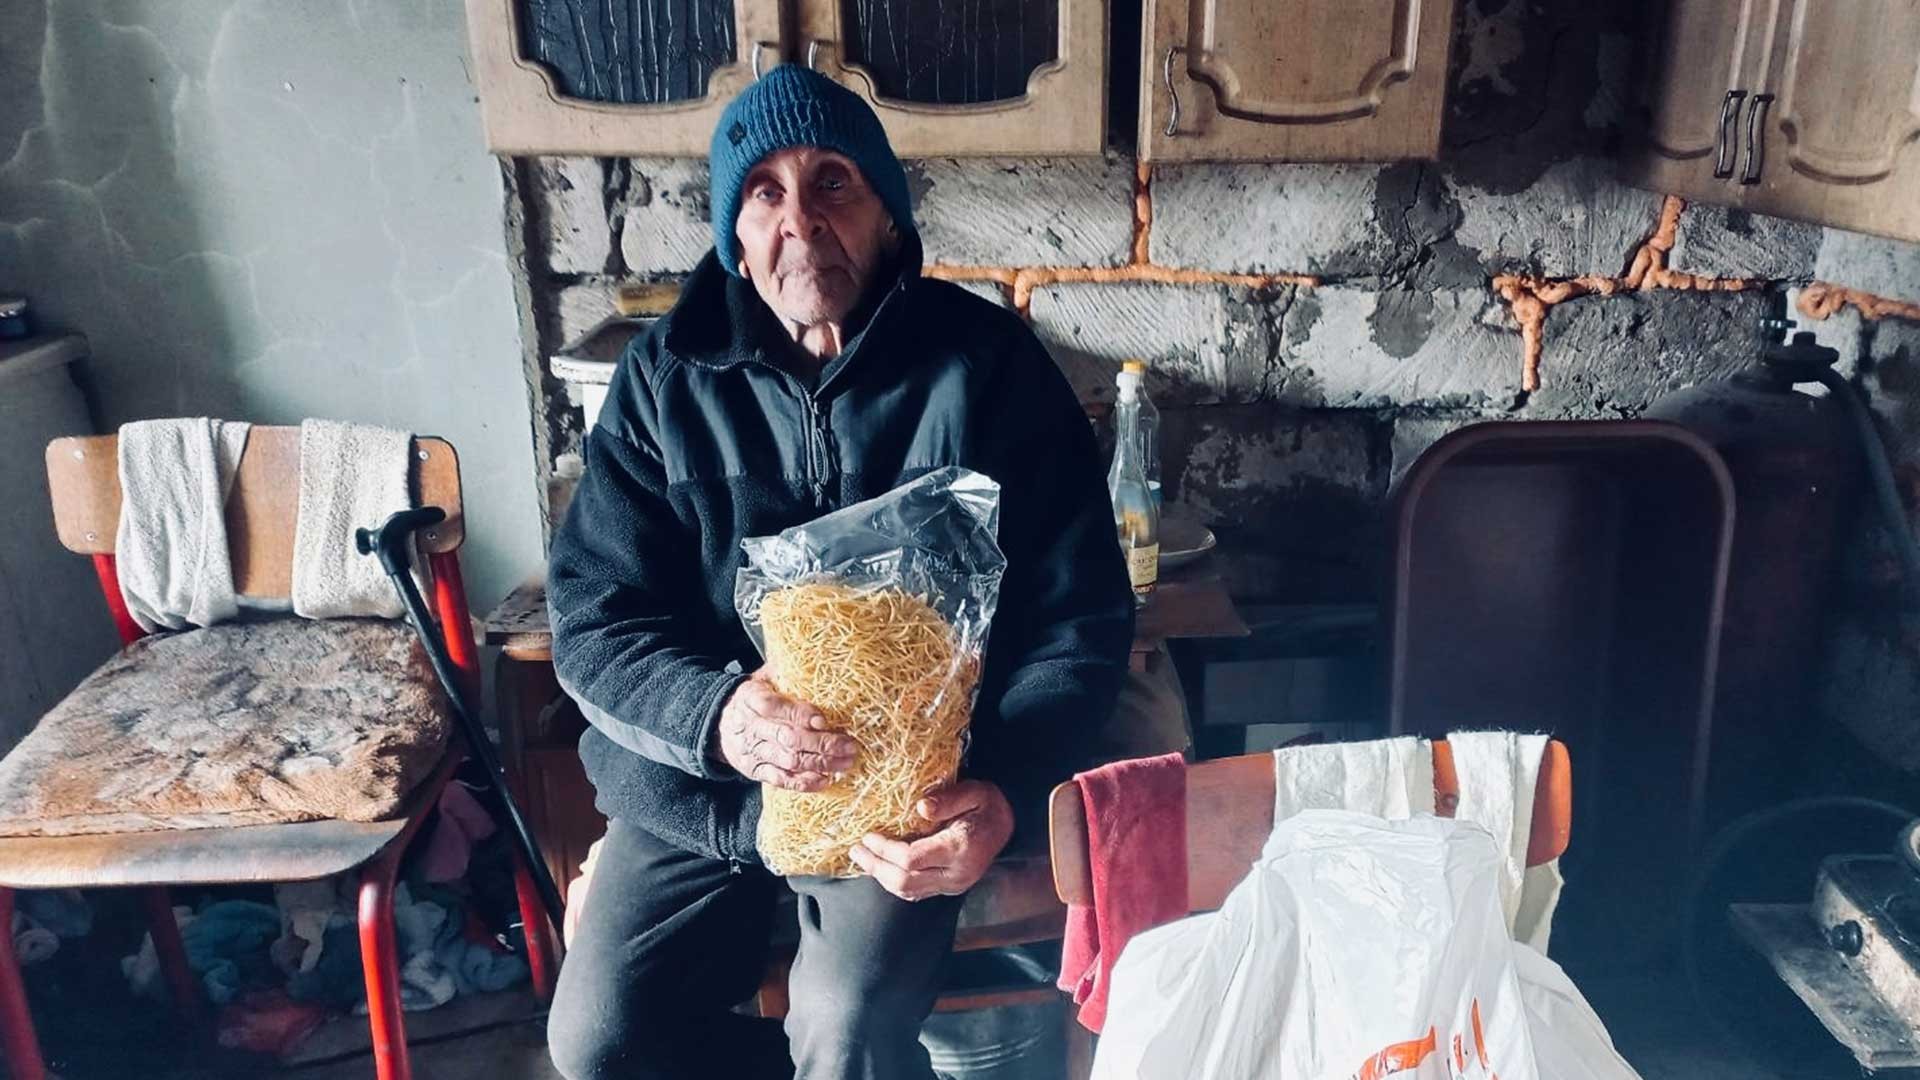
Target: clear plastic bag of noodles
877,615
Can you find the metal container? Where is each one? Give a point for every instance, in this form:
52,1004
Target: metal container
1797,471
1010,1042
586,363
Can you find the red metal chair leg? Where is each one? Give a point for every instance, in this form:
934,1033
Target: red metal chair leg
172,954
535,929
380,961
22,1060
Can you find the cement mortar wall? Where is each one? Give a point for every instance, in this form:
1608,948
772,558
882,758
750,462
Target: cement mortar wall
1292,402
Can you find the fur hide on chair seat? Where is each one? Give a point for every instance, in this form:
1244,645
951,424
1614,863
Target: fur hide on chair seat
242,723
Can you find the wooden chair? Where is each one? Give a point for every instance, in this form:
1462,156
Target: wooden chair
1230,814
260,518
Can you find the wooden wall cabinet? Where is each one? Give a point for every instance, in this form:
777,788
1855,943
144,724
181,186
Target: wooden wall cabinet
1293,80
969,77
947,77
582,77
1803,109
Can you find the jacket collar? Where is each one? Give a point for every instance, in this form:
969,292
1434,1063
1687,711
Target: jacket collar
720,322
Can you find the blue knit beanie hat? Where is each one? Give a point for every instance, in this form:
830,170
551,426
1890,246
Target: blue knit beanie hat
793,105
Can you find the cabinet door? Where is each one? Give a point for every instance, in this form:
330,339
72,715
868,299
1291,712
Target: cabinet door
969,77
1294,80
1804,109
1842,143
1711,60
645,77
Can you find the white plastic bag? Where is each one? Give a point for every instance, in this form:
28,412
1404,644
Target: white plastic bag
1355,949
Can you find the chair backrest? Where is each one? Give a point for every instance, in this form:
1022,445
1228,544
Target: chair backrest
1230,814
83,476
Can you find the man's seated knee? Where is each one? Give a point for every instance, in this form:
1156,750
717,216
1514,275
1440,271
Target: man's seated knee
834,1026
587,1046
638,1047
617,1035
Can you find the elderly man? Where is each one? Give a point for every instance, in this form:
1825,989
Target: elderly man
808,365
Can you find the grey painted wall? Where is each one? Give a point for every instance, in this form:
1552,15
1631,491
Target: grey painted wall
272,210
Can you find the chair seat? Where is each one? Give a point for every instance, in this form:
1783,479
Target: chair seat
238,724
300,851
1012,905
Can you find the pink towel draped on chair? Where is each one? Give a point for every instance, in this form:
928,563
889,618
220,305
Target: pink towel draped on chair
1137,847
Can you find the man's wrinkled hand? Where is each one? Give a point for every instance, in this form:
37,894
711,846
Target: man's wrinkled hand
977,822
770,737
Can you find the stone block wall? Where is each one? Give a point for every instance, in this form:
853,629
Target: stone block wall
1312,328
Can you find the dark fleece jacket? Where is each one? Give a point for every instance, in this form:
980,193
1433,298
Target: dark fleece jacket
708,438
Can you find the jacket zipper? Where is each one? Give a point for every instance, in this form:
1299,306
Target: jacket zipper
818,469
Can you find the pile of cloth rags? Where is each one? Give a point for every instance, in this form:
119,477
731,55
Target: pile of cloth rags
227,944
445,951
445,948
273,967
43,918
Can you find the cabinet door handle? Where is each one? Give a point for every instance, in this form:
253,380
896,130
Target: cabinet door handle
1173,96
758,48
813,53
1756,145
1724,150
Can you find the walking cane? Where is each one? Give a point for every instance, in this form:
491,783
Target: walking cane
389,543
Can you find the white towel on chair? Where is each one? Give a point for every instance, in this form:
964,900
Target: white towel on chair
1498,771
1389,778
352,476
171,545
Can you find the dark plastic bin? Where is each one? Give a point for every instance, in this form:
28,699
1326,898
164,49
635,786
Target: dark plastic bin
1570,577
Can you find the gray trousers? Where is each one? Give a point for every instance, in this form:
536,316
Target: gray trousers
669,941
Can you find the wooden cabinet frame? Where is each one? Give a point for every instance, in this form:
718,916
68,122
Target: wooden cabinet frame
525,112
1064,111
1189,86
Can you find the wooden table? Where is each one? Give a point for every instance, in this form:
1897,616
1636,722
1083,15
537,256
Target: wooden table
540,728
1186,605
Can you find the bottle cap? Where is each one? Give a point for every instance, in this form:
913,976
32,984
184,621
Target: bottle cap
1138,367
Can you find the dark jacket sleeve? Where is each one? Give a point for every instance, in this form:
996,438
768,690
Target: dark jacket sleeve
619,582
1058,648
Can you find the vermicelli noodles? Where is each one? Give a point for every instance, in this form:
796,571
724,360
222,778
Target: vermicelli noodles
883,667
876,615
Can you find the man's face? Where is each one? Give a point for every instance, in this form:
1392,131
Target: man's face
812,234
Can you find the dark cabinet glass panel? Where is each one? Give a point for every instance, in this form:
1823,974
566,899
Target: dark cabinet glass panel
629,51
951,52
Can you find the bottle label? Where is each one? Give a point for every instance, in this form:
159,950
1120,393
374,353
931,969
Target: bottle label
1143,565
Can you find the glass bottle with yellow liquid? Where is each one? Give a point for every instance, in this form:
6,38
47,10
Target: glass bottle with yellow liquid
1136,512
